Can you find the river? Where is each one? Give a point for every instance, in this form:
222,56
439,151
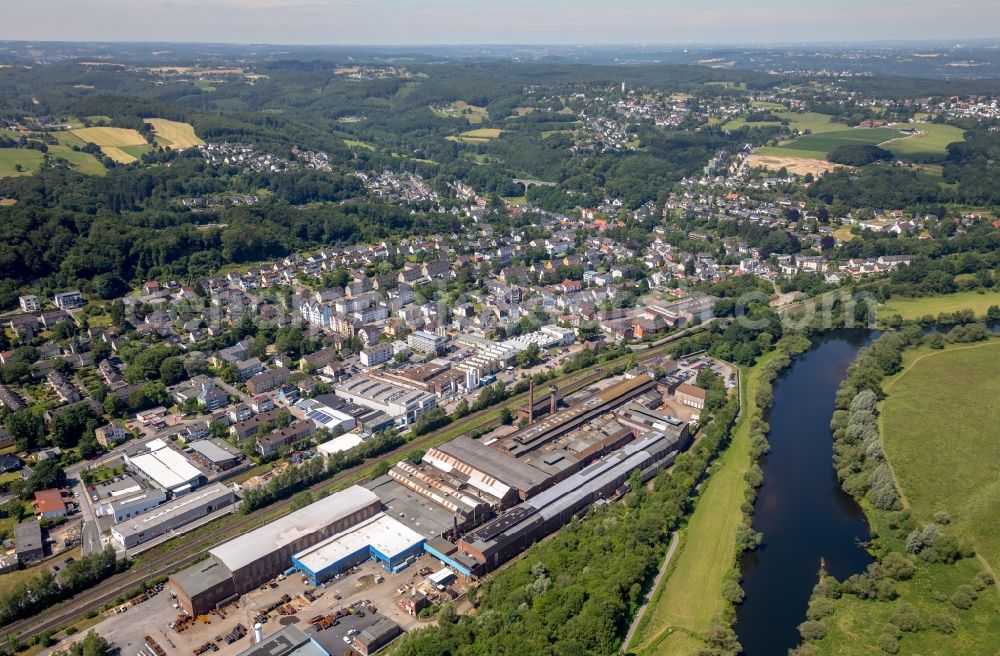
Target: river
801,510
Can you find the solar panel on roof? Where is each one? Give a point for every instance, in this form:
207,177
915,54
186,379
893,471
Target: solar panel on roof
319,416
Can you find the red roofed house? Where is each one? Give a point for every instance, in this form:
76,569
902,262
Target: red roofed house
570,286
49,504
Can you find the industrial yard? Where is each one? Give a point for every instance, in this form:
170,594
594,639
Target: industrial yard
368,583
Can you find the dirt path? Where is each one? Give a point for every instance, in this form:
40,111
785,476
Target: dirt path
674,540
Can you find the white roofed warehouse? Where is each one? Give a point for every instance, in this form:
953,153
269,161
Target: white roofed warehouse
381,538
262,554
167,468
256,557
165,518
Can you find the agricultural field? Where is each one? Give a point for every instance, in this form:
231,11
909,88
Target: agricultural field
461,109
174,134
120,144
354,143
83,162
935,431
941,405
118,155
930,141
794,165
11,159
800,121
915,308
112,137
479,135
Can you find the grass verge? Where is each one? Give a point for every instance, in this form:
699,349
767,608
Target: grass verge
689,596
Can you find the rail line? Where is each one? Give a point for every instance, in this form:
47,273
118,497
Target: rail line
194,547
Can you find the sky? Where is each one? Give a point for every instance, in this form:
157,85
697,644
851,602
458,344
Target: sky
422,22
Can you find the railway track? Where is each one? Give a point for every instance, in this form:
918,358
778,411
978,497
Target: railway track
194,547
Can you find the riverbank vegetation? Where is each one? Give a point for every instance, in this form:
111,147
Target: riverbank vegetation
925,591
581,588
694,606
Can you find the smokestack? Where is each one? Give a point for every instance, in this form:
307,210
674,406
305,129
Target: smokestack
531,401
258,633
554,399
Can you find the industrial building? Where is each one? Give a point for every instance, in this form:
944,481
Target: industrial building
376,636
423,341
339,444
125,497
379,538
165,518
489,470
497,541
546,337
412,509
167,468
402,404
215,453
326,416
289,641
260,555
203,586
541,433
472,504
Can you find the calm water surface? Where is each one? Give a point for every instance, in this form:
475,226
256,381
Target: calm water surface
801,510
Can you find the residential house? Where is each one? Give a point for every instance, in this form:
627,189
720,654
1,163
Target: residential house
49,504
110,435
68,300
268,380
30,303
297,430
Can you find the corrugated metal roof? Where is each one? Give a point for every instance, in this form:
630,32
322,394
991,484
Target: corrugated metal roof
251,546
381,532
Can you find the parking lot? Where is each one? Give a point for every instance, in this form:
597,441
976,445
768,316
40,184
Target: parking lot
369,584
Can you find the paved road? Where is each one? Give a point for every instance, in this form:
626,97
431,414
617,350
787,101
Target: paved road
90,532
674,540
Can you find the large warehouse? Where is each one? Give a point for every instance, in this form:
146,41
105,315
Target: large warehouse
166,468
154,523
260,555
381,538
499,540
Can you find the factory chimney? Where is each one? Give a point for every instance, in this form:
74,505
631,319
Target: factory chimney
531,401
554,399
258,633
